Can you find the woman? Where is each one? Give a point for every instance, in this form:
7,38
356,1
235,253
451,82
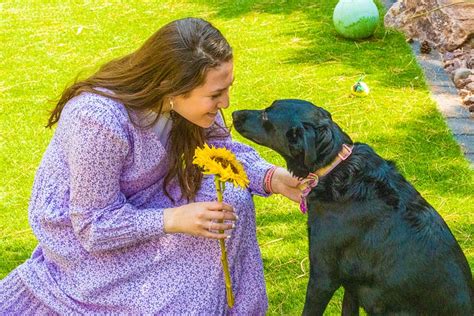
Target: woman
126,223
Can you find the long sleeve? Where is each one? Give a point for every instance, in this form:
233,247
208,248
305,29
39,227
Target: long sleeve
96,149
255,166
97,212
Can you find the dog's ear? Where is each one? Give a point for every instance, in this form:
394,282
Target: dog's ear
310,136
301,142
316,138
311,141
295,140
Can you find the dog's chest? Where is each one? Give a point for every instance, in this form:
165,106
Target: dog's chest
349,236
327,227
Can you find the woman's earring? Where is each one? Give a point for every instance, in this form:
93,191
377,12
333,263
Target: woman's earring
172,111
171,104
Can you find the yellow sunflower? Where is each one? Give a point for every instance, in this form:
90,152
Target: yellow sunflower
222,163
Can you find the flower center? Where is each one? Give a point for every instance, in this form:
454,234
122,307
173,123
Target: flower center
224,163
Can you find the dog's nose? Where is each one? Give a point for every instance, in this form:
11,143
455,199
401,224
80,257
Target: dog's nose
238,118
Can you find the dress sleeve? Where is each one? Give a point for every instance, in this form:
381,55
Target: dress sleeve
96,147
255,166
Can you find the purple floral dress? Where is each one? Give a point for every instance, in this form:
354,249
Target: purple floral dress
97,211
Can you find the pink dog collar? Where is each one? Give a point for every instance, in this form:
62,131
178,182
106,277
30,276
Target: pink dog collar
312,180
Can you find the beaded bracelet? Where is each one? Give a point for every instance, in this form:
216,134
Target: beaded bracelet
268,179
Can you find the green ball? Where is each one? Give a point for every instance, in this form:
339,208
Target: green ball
356,19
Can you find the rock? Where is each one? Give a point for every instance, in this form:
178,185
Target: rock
458,63
445,23
463,93
469,87
471,108
448,62
461,74
461,83
468,100
425,47
450,70
470,61
448,56
458,52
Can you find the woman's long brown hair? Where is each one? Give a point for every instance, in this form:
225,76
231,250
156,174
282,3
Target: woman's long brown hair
172,62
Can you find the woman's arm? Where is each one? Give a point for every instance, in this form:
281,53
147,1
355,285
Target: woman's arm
96,147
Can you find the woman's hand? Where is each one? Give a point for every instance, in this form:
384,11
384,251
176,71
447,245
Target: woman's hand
200,219
284,183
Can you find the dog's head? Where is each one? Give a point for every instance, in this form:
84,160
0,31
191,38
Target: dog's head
301,132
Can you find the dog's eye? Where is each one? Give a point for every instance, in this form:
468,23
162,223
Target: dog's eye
267,125
265,122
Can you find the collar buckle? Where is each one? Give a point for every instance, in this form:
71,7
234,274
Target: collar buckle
312,180
345,152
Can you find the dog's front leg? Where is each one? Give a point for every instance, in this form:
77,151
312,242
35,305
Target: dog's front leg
319,292
350,304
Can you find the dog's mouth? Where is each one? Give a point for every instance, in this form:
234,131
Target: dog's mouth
255,140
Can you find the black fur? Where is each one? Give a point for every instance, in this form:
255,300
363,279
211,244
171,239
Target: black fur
369,230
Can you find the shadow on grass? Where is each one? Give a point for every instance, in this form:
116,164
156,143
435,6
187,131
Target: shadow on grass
385,56
440,166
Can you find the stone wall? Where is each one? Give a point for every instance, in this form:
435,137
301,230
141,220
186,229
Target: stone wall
446,25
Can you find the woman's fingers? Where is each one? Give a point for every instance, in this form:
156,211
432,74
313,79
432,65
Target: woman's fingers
213,235
292,181
216,219
219,206
220,211
294,195
216,230
216,226
207,219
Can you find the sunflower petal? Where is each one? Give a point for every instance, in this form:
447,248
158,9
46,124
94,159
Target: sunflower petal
221,162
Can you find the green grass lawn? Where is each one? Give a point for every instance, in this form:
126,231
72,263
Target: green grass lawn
283,49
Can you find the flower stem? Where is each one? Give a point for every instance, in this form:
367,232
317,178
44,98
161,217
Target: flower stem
225,266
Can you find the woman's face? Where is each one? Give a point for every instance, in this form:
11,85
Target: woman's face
202,104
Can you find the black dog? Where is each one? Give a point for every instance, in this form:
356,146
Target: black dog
369,230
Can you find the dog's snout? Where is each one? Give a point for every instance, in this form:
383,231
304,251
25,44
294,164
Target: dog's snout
238,118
